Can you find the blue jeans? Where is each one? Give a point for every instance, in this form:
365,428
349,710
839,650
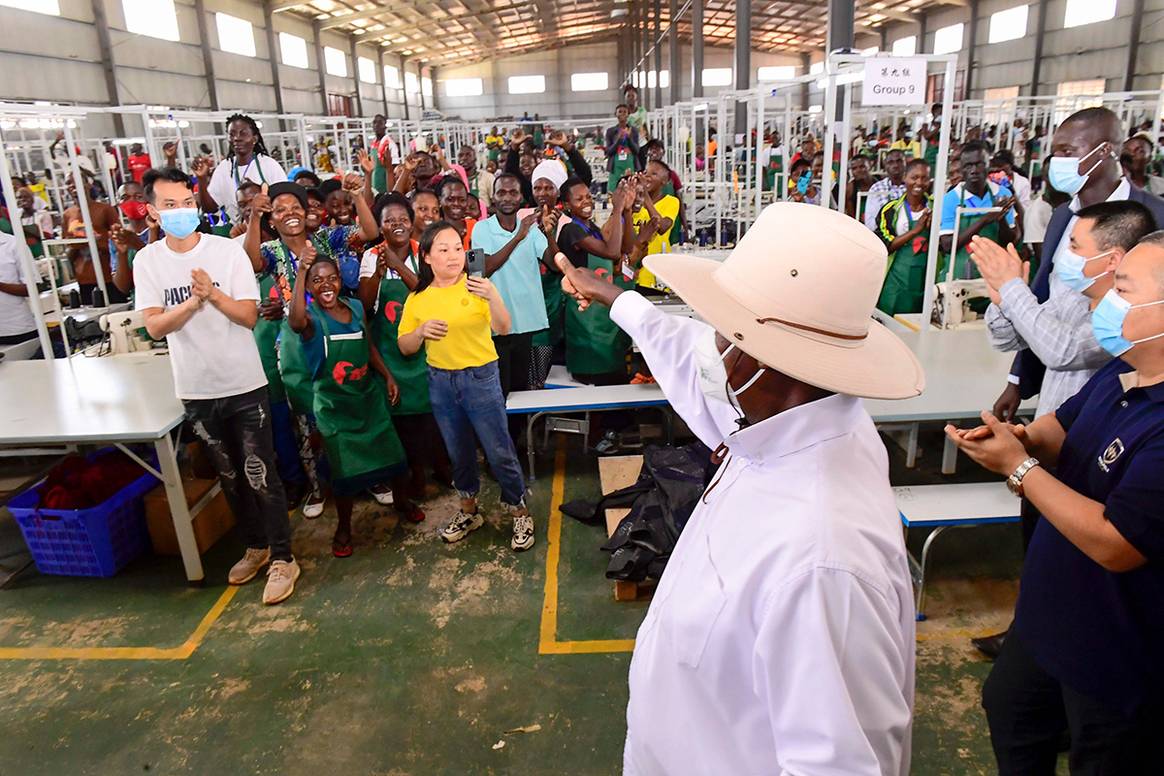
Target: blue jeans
467,402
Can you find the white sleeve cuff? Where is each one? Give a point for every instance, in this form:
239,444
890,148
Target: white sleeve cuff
1012,379
629,309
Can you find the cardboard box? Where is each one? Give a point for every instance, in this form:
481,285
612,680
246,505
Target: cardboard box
210,524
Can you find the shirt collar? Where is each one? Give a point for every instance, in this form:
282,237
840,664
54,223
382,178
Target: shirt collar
1119,194
1153,388
798,428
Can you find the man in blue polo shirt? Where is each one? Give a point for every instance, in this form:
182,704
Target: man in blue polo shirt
512,251
976,191
1084,654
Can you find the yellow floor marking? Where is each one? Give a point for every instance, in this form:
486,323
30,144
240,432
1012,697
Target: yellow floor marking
185,650
548,643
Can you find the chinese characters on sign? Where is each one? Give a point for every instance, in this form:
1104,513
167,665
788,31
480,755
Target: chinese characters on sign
894,81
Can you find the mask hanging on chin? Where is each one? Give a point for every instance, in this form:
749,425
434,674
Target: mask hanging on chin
713,377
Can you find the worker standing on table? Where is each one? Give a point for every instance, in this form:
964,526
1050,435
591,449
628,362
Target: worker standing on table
248,160
781,636
1083,655
199,292
596,347
351,404
904,226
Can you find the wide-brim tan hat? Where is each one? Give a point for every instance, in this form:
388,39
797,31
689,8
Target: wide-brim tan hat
797,294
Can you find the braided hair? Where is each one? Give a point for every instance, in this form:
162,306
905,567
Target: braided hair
260,146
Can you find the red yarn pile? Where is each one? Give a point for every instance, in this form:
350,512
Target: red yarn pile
80,483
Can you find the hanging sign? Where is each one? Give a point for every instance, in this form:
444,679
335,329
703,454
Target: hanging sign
894,81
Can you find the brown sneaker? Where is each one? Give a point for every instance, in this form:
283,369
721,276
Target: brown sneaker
249,567
280,581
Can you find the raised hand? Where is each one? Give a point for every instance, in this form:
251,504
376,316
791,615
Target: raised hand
433,329
261,203
549,220
367,163
526,224
200,167
479,286
202,286
307,258
353,182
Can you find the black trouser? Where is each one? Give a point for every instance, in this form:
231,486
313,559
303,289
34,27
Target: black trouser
514,352
237,433
1029,711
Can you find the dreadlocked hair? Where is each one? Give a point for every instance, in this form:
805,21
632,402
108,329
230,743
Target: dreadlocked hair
260,146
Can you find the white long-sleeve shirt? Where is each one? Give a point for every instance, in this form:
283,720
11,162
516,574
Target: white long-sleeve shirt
1058,331
781,637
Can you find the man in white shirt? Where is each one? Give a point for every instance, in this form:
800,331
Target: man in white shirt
781,636
17,323
889,188
199,292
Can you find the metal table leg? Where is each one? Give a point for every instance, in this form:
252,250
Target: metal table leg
921,572
176,496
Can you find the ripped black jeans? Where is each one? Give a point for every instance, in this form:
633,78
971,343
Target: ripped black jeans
237,433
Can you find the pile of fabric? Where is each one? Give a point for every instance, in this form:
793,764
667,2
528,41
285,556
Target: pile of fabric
81,483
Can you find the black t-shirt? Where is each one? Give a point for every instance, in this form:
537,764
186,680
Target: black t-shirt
573,233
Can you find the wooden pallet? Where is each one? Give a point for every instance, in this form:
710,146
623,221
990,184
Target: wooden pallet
615,472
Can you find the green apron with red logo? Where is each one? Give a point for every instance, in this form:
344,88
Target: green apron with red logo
905,279
267,338
351,410
595,344
411,372
624,160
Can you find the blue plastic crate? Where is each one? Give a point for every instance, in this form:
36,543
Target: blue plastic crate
94,542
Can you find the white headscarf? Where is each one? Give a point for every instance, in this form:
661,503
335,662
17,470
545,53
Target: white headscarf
552,170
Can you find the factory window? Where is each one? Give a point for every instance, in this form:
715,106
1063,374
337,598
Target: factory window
235,35
411,84
155,18
392,77
905,47
527,84
464,87
589,82
948,40
776,73
293,49
1080,12
335,61
51,7
367,70
1010,24
426,86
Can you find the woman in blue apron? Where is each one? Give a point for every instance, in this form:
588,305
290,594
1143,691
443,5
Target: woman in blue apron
353,391
388,273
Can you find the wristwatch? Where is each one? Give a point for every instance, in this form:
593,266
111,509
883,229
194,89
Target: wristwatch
1015,481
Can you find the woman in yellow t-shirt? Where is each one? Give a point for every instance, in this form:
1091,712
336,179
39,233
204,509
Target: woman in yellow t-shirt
453,317
653,220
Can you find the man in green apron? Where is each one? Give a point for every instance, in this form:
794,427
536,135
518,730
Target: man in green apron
904,226
383,154
350,402
975,191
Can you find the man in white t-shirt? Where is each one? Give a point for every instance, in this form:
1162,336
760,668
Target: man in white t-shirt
199,292
16,321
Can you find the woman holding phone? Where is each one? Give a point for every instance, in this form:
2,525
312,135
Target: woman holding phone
453,316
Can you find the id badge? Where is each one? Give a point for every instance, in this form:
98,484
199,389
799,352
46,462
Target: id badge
628,272
623,154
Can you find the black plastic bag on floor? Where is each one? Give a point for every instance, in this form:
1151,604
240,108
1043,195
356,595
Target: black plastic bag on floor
670,485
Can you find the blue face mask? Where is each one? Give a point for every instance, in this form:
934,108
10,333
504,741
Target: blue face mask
1063,172
1069,269
1107,322
180,222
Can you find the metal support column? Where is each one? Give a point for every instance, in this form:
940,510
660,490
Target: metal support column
207,55
356,77
696,48
635,40
1040,37
420,87
972,44
805,67
432,76
658,46
273,54
320,66
1134,44
106,47
839,38
884,38
921,35
743,61
383,81
644,60
673,50
404,87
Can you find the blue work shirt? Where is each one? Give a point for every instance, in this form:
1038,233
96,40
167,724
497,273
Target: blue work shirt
958,196
1096,631
518,280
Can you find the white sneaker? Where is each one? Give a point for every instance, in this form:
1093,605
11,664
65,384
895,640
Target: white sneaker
383,497
461,526
523,533
248,568
280,581
313,508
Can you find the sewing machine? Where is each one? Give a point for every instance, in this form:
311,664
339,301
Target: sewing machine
952,308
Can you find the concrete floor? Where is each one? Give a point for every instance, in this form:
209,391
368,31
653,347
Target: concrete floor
412,657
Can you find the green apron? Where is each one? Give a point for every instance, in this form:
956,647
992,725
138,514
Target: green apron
411,372
379,171
267,338
555,310
351,409
905,279
623,160
595,344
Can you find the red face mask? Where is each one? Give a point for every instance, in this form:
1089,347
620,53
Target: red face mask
134,210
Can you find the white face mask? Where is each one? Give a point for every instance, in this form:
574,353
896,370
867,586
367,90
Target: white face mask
713,378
